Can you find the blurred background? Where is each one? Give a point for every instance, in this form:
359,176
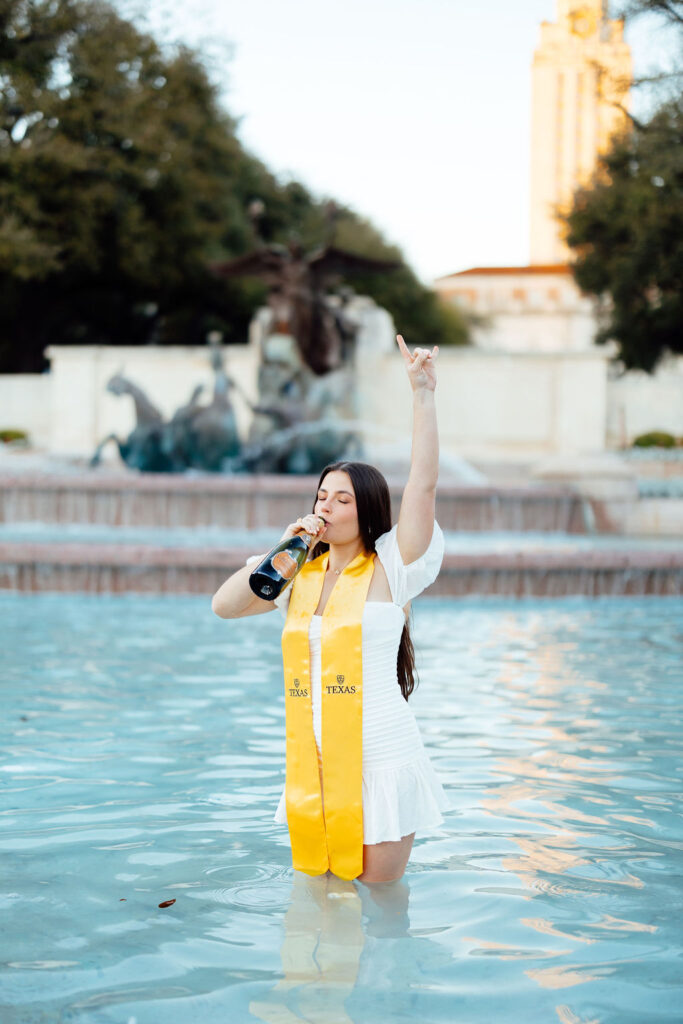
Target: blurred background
216,217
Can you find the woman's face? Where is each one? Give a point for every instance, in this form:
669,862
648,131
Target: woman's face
336,502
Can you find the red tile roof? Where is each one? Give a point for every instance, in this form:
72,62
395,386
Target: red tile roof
538,268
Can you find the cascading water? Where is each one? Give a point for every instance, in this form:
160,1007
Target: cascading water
118,531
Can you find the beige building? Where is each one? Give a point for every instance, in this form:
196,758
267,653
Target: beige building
581,74
523,309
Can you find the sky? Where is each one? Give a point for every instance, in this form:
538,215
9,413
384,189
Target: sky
416,113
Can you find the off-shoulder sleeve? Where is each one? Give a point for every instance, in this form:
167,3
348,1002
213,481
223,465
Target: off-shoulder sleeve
282,601
407,581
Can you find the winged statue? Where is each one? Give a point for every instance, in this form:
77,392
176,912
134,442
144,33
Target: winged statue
299,285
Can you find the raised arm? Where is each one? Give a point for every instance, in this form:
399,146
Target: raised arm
418,505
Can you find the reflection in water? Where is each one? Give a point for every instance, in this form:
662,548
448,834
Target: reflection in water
323,943
546,785
143,755
526,796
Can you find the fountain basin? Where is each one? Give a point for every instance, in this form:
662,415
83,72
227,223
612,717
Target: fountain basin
105,532
117,568
253,502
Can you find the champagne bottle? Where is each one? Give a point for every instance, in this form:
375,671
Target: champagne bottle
277,570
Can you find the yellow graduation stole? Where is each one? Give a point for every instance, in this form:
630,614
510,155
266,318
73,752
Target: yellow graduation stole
326,835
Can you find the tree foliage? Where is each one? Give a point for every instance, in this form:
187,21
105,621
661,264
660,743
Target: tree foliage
627,232
122,179
670,10
626,229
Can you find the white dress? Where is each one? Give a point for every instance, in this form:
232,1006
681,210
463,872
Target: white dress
401,791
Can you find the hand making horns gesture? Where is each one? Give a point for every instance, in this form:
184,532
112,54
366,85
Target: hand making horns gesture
420,366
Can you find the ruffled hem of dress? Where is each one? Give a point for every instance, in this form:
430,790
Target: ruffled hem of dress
396,802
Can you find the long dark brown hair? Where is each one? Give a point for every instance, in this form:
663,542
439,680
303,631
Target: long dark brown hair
373,504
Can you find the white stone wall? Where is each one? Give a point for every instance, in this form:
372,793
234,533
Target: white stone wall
83,411
638,402
498,405
25,404
490,404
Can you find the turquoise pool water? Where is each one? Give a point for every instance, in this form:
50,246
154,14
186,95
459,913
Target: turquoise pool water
262,540
143,757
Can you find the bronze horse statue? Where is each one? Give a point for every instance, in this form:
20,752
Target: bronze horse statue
196,437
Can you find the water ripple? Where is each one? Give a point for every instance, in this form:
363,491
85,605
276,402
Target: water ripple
143,757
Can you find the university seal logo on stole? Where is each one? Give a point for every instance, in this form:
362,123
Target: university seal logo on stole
330,838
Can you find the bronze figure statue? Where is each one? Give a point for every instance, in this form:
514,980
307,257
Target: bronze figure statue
299,297
301,418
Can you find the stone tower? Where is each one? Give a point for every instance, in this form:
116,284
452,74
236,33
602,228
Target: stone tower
581,75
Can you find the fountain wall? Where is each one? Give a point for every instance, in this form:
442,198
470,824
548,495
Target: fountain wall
490,404
130,569
265,500
156,533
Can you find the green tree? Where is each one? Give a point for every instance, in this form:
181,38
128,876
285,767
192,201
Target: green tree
418,312
117,180
627,233
626,229
121,180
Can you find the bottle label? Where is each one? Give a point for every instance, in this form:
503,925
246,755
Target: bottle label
285,565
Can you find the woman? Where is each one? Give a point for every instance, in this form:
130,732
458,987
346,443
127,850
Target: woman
359,782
